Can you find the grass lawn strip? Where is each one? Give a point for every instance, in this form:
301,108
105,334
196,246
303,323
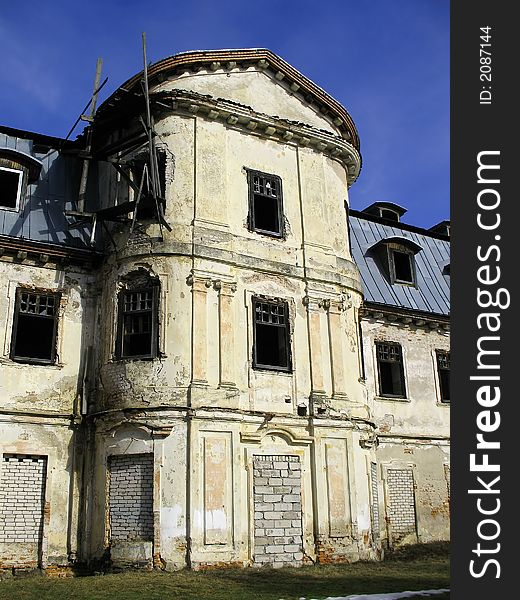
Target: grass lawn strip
320,582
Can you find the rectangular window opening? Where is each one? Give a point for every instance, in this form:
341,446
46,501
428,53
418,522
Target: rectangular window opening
389,215
443,370
137,324
35,326
271,335
403,267
391,371
10,188
265,204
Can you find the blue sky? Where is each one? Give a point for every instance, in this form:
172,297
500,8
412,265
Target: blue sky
386,61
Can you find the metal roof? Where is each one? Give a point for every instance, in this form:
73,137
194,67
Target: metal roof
432,291
42,214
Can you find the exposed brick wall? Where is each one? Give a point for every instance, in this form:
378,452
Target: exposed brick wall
131,497
22,496
375,501
278,510
401,505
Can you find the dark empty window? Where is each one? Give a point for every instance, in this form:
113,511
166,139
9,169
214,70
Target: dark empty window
390,368
271,335
137,323
265,203
34,327
390,215
10,185
402,267
443,369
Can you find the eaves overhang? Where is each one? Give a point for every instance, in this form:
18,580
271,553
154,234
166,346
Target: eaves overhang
33,164
397,239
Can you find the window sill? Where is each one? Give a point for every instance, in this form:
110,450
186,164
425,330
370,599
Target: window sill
392,399
13,362
270,234
273,371
127,359
445,404
411,284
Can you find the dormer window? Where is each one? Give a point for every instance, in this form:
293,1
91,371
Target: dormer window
396,256
265,203
402,267
389,215
10,188
17,170
389,211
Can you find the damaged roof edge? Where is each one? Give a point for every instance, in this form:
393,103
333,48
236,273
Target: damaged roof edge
248,54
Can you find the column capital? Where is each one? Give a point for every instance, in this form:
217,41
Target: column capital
225,288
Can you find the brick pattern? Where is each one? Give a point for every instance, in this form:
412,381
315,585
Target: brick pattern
131,497
278,510
375,501
401,506
22,496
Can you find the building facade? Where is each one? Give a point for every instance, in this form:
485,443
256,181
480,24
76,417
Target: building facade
197,368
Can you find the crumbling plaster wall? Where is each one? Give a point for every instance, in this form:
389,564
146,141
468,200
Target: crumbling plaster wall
53,439
421,413
251,87
203,387
414,432
48,388
207,196
38,403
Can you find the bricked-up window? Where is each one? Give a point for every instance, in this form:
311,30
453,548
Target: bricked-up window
265,203
443,370
402,267
137,323
10,188
35,327
390,369
271,335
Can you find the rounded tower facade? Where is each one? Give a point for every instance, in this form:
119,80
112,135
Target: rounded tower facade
228,417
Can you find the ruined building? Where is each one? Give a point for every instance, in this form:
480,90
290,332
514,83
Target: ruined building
206,358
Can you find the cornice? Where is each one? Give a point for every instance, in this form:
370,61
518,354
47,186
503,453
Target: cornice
35,253
405,317
239,116
261,58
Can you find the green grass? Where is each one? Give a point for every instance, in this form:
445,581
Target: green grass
417,571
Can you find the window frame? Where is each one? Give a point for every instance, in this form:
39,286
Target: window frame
21,173
18,300
389,214
391,260
259,366
251,174
154,334
438,354
403,396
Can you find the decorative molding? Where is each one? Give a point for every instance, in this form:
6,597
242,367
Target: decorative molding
335,304
41,253
243,117
256,437
369,440
402,317
245,59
